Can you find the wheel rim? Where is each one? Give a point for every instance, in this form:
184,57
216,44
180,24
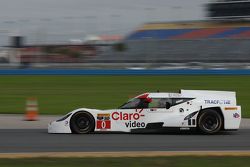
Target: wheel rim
83,123
210,123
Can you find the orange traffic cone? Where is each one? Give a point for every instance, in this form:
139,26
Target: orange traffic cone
31,109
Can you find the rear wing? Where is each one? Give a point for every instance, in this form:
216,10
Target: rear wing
224,97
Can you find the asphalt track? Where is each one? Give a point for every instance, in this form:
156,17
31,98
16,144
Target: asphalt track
38,140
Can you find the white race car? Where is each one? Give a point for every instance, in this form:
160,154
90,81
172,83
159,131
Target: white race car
207,111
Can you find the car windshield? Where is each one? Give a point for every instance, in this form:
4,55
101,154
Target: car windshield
131,104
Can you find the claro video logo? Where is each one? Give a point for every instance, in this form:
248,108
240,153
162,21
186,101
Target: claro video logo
103,121
131,118
128,116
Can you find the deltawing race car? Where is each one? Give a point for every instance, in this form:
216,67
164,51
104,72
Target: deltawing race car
207,111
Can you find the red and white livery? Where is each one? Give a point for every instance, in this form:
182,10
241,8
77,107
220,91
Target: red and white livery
206,111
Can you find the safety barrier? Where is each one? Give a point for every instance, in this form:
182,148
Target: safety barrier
31,113
122,72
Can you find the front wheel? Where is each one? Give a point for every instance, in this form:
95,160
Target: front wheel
209,122
82,122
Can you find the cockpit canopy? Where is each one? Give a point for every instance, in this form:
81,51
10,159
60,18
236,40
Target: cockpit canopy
144,101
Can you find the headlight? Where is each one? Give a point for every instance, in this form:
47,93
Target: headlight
63,118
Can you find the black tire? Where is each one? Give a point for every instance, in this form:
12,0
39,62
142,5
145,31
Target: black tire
82,123
209,121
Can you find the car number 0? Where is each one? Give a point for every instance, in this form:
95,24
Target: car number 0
103,124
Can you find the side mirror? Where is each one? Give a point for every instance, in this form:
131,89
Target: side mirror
168,105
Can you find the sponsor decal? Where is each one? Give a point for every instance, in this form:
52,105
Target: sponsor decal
130,118
174,95
103,121
231,108
217,102
236,115
127,116
139,110
181,110
135,124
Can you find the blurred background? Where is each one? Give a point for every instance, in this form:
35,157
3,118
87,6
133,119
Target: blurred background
141,34
127,40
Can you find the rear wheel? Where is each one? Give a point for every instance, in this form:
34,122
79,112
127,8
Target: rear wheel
209,121
82,122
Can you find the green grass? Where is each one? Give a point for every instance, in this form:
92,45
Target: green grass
61,94
129,162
